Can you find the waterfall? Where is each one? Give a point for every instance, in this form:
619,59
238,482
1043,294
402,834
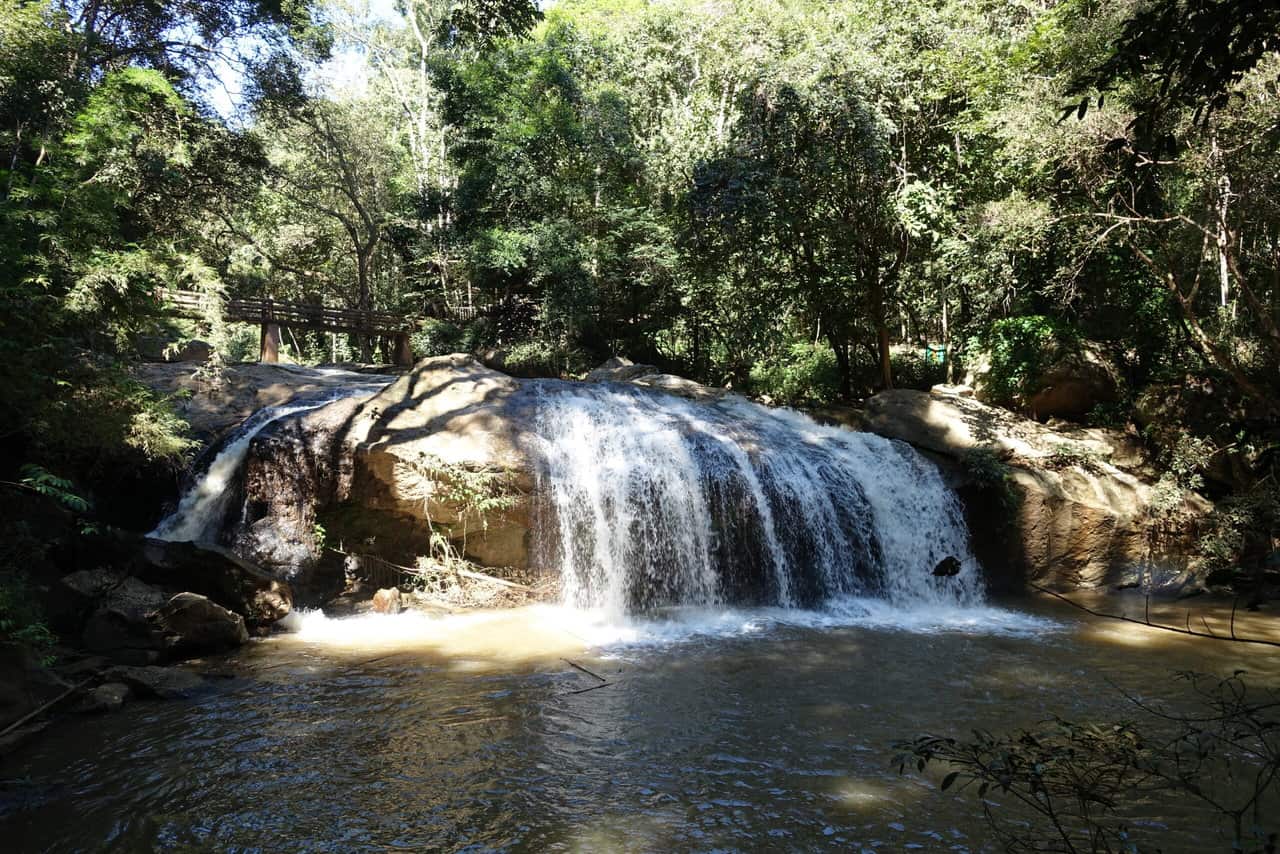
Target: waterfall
202,509
649,500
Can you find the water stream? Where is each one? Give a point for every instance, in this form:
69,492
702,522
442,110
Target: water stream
755,598
655,500
728,730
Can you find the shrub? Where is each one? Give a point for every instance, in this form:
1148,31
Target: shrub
805,373
438,338
542,359
1018,350
911,370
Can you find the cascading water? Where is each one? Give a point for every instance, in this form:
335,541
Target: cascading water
202,509
653,500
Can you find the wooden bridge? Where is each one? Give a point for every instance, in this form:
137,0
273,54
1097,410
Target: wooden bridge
271,315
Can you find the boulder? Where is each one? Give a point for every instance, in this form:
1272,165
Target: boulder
213,408
375,474
119,625
193,625
193,350
619,369
387,601
165,683
25,683
1077,518
220,574
108,697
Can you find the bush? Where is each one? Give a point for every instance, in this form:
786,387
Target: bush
1018,350
805,373
541,359
911,370
438,338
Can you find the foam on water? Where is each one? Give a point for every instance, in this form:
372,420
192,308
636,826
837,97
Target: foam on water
558,629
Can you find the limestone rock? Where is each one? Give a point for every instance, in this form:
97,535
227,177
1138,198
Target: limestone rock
221,575
193,625
1074,525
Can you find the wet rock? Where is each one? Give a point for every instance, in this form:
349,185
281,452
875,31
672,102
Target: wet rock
108,697
76,596
193,625
387,601
166,683
221,575
620,369
1068,525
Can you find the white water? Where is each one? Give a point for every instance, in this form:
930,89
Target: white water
202,509
654,500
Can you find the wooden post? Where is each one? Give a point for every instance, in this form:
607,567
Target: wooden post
270,343
403,350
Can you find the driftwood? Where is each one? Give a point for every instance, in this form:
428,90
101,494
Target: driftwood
1146,621
604,683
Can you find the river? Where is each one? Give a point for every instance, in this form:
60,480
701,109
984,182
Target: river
725,730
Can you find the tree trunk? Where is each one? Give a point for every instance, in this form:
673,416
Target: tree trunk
882,332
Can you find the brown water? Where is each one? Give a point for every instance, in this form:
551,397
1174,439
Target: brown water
386,735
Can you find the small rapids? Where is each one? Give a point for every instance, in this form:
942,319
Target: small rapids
651,500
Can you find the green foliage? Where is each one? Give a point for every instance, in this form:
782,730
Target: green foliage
58,489
992,477
543,359
911,370
1018,349
440,338
1237,540
804,373
21,620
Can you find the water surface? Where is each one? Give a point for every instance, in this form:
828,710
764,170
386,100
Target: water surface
720,730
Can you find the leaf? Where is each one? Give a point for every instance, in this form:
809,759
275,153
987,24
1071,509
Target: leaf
949,779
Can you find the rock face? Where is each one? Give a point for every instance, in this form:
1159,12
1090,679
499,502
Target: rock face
375,474
1078,518
213,409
